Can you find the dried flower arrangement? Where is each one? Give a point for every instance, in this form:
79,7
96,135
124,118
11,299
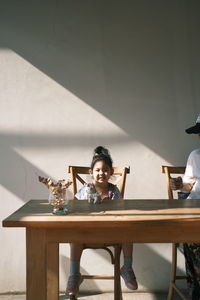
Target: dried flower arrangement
57,190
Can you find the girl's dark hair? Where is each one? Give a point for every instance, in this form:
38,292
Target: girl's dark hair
101,153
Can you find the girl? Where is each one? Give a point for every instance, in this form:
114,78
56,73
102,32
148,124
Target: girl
101,171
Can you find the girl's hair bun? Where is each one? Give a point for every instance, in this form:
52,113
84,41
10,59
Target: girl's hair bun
101,150
101,153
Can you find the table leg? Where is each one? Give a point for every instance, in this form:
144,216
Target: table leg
117,282
36,279
52,271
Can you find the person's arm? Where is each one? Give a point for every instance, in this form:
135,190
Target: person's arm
177,184
186,183
116,195
187,187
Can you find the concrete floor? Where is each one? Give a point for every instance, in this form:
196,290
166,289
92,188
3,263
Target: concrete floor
104,296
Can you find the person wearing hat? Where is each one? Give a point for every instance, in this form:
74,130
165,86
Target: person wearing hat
190,184
191,180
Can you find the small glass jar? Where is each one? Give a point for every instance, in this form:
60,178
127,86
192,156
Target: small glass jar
59,202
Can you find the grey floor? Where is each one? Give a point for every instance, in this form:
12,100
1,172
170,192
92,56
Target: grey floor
104,296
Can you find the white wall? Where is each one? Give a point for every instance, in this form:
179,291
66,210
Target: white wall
78,74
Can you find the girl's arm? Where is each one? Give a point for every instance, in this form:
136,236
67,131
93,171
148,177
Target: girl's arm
116,195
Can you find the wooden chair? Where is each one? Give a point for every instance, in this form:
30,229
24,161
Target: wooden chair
77,173
168,171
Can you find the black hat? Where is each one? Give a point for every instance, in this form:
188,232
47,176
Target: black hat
195,128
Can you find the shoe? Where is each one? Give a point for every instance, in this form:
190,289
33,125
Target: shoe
73,284
129,278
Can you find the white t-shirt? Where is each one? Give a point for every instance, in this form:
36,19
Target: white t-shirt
192,173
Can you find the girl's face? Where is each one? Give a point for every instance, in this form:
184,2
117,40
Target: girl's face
101,172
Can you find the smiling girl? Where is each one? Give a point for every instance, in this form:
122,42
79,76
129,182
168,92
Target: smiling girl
101,170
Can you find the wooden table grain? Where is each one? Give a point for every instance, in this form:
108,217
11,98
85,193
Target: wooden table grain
137,221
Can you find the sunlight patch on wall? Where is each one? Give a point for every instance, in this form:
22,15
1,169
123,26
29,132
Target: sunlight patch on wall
35,103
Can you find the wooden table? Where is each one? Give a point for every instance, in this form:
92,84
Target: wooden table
137,221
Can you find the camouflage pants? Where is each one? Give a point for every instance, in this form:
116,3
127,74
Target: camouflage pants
192,260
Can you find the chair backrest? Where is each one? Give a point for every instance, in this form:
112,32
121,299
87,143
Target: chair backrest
76,172
168,171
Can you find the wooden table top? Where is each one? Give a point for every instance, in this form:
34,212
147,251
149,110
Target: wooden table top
37,213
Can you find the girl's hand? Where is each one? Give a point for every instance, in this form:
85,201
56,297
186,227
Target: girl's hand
176,183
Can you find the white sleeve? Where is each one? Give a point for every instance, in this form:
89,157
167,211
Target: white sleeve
191,172
81,194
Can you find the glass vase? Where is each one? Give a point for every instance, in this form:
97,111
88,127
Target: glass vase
59,203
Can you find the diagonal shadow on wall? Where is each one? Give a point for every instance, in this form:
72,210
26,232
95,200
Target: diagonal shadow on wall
120,59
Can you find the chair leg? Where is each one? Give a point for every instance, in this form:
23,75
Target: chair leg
173,272
170,292
121,297
117,280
